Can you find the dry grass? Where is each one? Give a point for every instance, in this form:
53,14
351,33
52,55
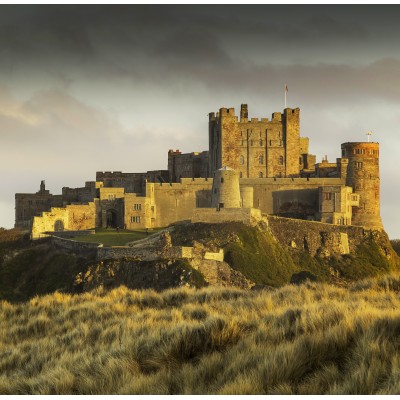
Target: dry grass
311,339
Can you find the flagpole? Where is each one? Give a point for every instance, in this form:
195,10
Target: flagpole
286,90
285,94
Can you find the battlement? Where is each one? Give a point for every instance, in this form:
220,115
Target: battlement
184,182
291,181
172,152
360,149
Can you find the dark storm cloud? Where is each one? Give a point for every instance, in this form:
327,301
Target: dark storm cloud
83,32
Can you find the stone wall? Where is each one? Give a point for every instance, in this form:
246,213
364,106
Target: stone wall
75,247
178,201
71,217
131,182
212,216
152,254
288,195
188,165
315,237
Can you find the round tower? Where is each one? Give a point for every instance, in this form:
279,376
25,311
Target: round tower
363,177
225,190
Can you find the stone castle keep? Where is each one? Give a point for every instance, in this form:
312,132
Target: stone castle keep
253,166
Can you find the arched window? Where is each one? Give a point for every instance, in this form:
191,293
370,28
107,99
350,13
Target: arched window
260,174
241,160
280,160
261,159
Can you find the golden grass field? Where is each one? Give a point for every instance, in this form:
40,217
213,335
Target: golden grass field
308,339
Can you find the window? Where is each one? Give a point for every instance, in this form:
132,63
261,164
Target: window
260,174
327,196
137,207
241,175
261,159
135,219
261,142
241,160
358,164
280,160
112,197
222,180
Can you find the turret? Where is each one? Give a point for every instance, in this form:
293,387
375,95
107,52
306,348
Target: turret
225,189
244,113
363,177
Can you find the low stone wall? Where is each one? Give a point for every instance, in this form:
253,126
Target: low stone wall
143,254
74,247
315,237
149,254
70,234
212,216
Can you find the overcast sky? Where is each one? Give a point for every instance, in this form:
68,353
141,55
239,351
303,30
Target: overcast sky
96,88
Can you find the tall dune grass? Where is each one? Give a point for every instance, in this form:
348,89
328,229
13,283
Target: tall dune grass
309,339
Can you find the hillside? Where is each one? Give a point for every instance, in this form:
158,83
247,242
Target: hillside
311,339
251,254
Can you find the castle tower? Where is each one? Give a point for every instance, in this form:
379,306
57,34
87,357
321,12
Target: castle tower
225,189
363,177
292,140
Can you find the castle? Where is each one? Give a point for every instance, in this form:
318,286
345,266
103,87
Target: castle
251,164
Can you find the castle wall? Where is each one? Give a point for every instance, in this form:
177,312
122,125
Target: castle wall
316,237
75,247
71,217
288,196
80,195
211,215
189,165
131,182
178,201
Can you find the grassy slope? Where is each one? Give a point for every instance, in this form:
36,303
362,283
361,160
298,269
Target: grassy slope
312,339
252,252
256,254
110,237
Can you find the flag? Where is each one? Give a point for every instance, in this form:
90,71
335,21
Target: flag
286,88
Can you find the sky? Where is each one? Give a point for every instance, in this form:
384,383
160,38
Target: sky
112,88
